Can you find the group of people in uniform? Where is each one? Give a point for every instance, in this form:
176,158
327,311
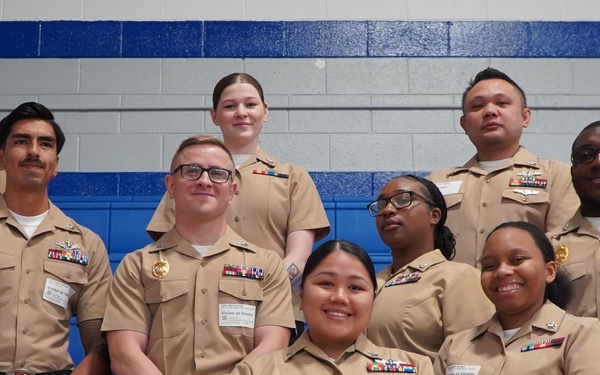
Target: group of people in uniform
495,264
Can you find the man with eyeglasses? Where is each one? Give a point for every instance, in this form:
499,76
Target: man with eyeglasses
200,299
504,181
577,241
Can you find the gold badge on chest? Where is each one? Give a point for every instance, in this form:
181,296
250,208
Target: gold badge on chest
561,253
160,268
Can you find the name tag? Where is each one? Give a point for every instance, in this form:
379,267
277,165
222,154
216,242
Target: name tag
462,370
57,293
451,187
236,315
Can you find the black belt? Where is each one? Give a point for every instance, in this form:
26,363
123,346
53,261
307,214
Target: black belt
59,372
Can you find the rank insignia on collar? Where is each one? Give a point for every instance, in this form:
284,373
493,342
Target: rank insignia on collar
390,365
68,251
404,279
543,344
551,325
243,271
160,268
561,254
271,172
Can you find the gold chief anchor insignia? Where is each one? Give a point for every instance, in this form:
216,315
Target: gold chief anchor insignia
160,268
561,254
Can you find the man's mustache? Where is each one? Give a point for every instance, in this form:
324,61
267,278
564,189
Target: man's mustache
33,161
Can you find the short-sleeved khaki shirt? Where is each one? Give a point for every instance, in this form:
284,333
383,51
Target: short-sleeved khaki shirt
63,269
479,201
575,349
265,208
187,311
304,357
582,241
421,304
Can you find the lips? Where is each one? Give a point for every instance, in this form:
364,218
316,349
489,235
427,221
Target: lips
242,124
337,313
390,224
509,287
490,125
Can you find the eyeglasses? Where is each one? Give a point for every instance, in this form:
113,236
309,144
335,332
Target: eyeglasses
194,172
398,200
584,154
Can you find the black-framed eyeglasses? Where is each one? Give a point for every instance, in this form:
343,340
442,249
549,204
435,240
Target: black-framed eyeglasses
194,171
584,154
398,200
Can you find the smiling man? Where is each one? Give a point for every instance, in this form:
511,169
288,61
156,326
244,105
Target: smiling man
200,299
503,181
50,267
577,241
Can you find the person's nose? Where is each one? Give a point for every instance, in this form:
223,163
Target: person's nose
388,210
490,109
204,180
504,270
339,295
241,111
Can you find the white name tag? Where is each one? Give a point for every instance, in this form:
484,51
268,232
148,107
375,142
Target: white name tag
236,315
451,187
462,370
57,293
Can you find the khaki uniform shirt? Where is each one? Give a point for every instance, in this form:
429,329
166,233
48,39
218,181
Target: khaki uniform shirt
583,263
304,357
417,314
186,313
484,200
484,346
39,293
265,209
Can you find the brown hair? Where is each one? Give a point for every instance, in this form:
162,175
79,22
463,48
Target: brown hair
200,140
230,80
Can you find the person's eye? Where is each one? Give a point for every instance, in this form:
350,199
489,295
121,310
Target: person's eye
519,260
325,283
488,267
476,106
251,105
229,106
356,287
503,103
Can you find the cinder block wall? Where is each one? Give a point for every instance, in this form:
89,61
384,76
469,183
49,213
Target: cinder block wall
352,95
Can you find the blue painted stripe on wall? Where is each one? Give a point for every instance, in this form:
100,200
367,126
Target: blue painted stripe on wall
151,184
289,39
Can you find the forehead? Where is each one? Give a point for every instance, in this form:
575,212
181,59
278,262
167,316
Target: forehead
492,87
33,127
239,89
206,155
402,183
589,137
344,263
510,239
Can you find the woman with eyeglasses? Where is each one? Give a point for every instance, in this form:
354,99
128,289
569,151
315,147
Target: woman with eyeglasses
276,206
422,297
530,332
337,289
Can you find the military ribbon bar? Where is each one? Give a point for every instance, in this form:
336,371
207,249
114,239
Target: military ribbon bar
243,271
390,365
271,172
74,256
404,279
543,344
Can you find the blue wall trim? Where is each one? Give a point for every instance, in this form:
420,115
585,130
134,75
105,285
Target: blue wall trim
151,184
289,39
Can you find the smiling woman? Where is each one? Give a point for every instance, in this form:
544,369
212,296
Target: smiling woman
338,286
530,332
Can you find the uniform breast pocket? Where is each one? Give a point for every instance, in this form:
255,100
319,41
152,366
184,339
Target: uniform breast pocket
62,286
453,202
238,291
169,305
7,277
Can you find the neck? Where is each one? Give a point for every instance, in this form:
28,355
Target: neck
517,320
590,209
332,350
403,256
496,152
26,203
247,148
200,233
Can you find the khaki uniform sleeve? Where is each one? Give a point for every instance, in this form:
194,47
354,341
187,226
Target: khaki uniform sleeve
163,219
242,368
276,306
439,365
464,304
424,366
307,210
126,308
582,349
92,301
564,201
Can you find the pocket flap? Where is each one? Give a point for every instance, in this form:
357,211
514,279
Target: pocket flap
7,261
245,290
540,196
453,199
575,270
66,271
165,290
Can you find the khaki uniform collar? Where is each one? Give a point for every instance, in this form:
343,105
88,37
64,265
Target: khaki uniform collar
260,156
421,264
522,157
362,345
576,223
56,219
173,240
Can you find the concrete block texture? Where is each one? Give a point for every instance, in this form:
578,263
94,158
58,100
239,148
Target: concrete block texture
532,10
413,121
371,152
170,143
440,151
286,10
88,122
446,9
367,76
123,10
442,76
205,10
120,76
356,9
41,10
540,76
586,76
289,76
549,146
309,150
39,76
330,121
161,122
196,76
120,153
69,155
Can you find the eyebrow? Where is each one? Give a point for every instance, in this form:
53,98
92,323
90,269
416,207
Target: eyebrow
46,138
330,273
394,192
512,251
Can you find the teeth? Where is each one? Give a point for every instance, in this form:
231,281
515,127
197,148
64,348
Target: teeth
336,313
508,288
